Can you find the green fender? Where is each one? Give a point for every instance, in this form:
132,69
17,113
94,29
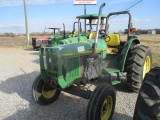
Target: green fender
124,52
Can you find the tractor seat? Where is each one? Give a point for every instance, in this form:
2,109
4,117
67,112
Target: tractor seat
75,34
112,50
92,35
113,40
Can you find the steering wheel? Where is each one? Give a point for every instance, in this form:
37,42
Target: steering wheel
102,35
108,37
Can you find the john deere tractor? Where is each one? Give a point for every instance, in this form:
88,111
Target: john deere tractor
42,41
54,40
76,68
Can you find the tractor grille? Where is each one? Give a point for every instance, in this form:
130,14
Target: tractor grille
59,67
73,67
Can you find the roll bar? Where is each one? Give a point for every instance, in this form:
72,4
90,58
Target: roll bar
118,13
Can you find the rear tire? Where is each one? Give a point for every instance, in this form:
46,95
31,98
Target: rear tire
42,93
101,103
138,64
148,101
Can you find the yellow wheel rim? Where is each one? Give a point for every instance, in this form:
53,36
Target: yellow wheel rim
48,94
106,108
146,66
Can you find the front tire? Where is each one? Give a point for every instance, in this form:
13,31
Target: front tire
148,101
43,93
101,103
138,64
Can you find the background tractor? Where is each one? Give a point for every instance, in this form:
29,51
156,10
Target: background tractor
76,68
54,40
75,36
43,40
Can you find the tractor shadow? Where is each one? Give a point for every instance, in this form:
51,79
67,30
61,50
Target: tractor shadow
21,84
20,88
67,107
36,61
32,51
29,49
119,116
35,53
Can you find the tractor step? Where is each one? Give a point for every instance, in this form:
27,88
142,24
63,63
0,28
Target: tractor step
110,71
115,82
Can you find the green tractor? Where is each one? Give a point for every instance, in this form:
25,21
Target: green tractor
42,41
77,68
54,40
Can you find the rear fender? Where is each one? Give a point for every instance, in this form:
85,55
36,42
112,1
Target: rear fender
123,56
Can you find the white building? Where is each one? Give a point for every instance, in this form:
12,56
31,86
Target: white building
151,31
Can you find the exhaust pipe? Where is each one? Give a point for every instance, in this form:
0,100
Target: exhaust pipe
97,29
75,27
64,32
79,30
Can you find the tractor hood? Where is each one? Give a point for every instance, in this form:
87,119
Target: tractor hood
81,48
51,37
73,40
55,36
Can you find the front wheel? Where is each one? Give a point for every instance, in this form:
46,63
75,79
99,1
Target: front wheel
43,93
101,103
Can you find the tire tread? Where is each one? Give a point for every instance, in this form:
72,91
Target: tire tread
148,101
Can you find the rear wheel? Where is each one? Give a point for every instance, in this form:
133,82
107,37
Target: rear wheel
148,101
101,103
138,64
43,93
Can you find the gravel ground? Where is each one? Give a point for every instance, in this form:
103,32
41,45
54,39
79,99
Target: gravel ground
18,69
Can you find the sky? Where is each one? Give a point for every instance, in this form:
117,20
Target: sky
53,13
